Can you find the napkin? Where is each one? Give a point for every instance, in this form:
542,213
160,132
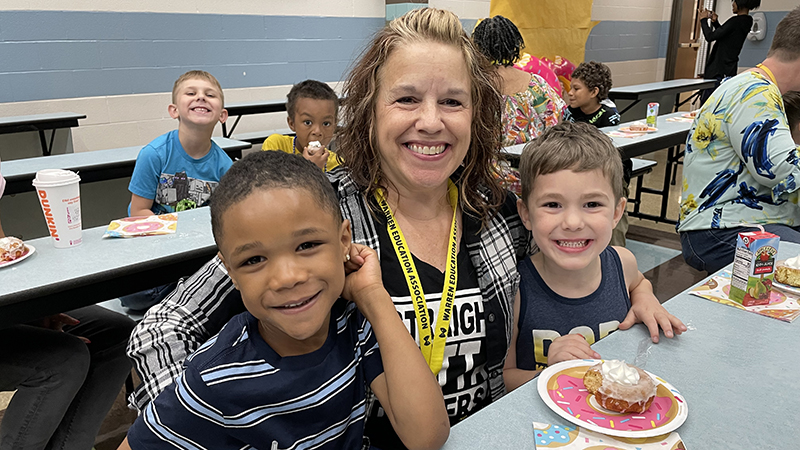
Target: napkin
576,438
782,305
625,134
680,119
142,226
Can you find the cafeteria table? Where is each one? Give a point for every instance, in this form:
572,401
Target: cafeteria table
670,135
54,280
638,92
247,108
92,166
40,123
738,372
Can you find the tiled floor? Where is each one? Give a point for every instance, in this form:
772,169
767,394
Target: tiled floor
656,246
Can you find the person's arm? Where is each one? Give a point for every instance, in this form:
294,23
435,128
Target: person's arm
564,348
513,376
718,31
407,390
140,206
317,155
174,328
612,116
144,182
645,307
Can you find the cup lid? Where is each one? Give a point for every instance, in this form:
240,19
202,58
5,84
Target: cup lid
55,177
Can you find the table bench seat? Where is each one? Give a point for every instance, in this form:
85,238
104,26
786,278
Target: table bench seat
258,137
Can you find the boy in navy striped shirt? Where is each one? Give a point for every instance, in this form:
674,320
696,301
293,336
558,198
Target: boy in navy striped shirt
294,370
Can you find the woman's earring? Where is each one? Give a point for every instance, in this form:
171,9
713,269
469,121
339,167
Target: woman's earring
347,257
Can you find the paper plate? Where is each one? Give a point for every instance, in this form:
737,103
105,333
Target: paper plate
29,249
561,388
628,130
690,115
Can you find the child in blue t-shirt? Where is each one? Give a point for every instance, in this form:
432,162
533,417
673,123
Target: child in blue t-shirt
576,289
180,169
294,370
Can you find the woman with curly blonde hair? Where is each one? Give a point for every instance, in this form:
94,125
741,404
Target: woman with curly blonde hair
421,121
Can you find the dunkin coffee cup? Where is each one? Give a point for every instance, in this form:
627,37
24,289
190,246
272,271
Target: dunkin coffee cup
60,197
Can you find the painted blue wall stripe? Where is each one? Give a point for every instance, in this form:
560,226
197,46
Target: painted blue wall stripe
67,54
613,41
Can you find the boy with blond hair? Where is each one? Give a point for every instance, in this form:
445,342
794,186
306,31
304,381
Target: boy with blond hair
180,169
576,289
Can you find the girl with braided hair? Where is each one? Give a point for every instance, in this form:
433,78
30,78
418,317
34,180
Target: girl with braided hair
530,104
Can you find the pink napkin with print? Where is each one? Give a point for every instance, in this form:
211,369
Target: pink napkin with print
547,436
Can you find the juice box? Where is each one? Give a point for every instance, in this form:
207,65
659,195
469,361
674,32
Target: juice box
652,113
754,267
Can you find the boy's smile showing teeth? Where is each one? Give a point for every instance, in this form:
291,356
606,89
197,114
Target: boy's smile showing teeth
573,243
295,307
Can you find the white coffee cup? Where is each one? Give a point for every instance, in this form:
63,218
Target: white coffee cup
60,196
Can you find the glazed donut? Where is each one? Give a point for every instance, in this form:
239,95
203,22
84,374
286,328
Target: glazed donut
11,248
620,387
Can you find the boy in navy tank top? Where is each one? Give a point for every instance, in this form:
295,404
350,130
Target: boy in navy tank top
576,289
294,369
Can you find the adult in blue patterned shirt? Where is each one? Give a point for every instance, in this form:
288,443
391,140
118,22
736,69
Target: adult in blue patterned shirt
741,166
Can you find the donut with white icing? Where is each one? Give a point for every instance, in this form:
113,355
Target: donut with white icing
620,387
11,248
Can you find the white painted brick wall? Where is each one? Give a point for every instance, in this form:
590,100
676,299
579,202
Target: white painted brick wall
464,9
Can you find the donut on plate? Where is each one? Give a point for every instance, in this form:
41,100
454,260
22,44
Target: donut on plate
789,272
11,248
620,387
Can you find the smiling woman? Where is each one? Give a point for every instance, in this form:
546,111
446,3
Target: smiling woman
422,189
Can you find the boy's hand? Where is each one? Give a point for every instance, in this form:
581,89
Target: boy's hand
569,347
317,155
363,276
56,322
653,315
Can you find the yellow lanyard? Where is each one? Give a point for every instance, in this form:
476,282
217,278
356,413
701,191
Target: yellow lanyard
431,338
768,72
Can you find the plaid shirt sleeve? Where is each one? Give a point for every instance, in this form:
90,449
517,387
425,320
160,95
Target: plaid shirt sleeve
172,330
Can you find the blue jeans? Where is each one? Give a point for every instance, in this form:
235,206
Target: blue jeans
64,387
711,250
143,300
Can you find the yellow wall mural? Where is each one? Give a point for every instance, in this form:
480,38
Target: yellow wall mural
550,27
